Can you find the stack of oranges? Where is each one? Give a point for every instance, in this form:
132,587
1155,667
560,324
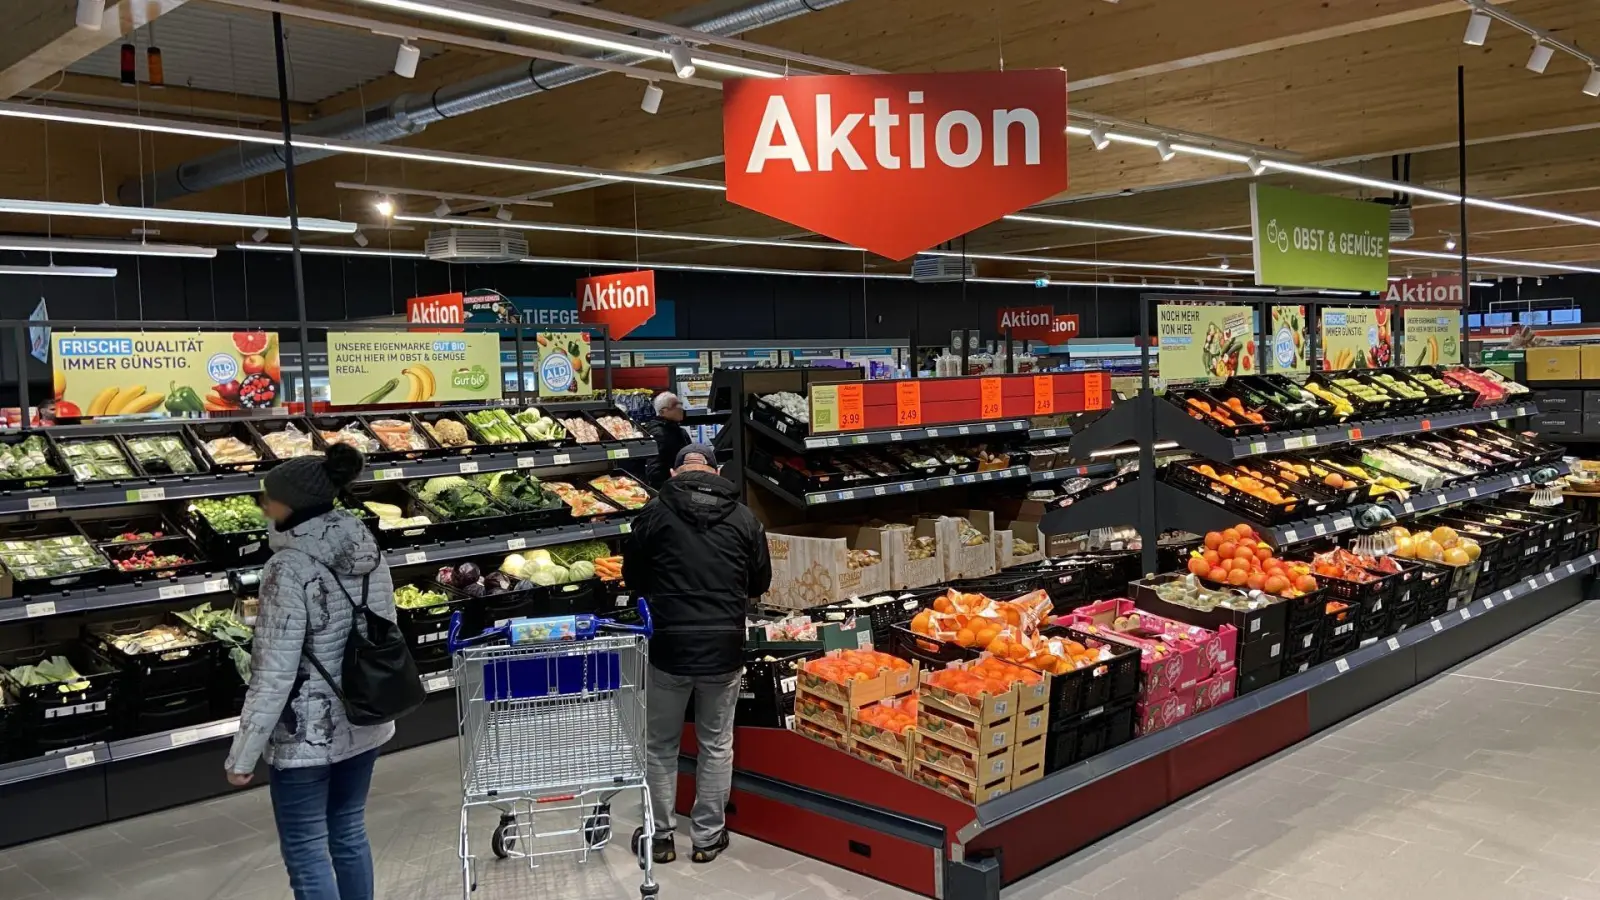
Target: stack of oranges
1250,481
1006,629
846,666
1239,558
1058,656
895,718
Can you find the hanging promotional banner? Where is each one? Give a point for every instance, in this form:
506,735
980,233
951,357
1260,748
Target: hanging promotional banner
39,335
564,370
1027,323
105,373
437,309
1205,341
1357,338
621,301
1315,241
895,163
367,367
1286,341
1445,291
1433,337
1063,328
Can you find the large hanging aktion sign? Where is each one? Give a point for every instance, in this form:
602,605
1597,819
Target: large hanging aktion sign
895,163
1314,241
1205,341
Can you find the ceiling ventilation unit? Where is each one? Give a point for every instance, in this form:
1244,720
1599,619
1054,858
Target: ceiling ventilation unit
476,245
1402,227
937,269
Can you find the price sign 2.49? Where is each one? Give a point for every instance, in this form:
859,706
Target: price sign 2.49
989,403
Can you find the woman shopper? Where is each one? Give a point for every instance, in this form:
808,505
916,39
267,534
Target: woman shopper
324,563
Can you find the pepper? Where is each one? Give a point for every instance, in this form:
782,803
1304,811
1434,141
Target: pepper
183,401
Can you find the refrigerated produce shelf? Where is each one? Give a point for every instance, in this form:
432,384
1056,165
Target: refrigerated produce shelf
894,436
891,489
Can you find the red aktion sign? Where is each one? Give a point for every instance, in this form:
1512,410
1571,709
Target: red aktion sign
623,301
1027,323
1064,328
895,163
436,309
1445,291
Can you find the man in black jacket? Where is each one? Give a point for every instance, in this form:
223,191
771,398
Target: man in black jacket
699,557
667,431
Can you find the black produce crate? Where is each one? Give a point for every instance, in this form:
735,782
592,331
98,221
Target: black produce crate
149,715
1403,616
1241,427
1374,623
433,660
52,456
226,548
883,616
1112,681
1582,543
567,599
386,454
428,628
104,532
227,688
1340,646
481,613
1364,409
395,495
424,419
1253,392
1257,678
265,427
1073,740
1252,624
497,519
1262,653
565,418
1299,662
201,432
1433,609
44,529
553,515
1305,611
1172,555
1303,637
930,652
1323,498
767,687
1245,505
177,545
157,467
1429,582
1340,624
775,418
45,717
1368,596
1066,582
1003,586
155,674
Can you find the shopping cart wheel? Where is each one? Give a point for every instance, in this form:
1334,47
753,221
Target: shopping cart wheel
505,836
597,827
649,890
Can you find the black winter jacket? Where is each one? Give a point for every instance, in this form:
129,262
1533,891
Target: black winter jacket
670,438
698,556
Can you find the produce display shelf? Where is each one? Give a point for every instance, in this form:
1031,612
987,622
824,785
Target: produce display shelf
1363,430
508,543
1046,434
873,491
189,487
113,596
895,436
1073,472
781,777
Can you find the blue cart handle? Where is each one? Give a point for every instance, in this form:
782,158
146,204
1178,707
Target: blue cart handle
647,629
456,643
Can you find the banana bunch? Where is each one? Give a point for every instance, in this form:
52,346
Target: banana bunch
125,401
1344,359
1428,355
420,383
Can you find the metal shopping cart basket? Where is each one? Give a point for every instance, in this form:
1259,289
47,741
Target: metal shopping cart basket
552,728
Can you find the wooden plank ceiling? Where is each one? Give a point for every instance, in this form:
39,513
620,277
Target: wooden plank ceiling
1350,81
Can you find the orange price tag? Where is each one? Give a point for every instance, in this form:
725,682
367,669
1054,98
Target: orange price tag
989,405
852,417
1044,395
908,403
1094,389
1355,434
1427,425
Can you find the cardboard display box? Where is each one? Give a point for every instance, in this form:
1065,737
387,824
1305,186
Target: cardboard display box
810,566
961,561
904,571
1589,360
1005,555
1557,363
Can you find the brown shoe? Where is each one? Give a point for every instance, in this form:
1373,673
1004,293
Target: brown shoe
712,850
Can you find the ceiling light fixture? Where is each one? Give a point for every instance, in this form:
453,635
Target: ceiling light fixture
1540,57
406,59
1477,28
1449,241
443,209
385,207
361,239
1123,226
1164,149
149,214
61,271
1224,265
259,235
1097,136
1592,86
503,214
332,251
651,102
91,14
112,248
1482,284
1087,263
682,62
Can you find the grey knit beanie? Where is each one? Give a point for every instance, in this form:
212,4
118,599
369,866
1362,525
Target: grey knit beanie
310,481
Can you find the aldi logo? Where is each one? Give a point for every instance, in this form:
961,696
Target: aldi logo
895,163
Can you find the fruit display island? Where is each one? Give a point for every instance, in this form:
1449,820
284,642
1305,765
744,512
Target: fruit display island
130,557
958,682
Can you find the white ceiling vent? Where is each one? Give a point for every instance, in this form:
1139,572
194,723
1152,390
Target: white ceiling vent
1401,225
476,245
934,269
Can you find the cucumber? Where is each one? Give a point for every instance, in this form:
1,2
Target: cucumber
377,396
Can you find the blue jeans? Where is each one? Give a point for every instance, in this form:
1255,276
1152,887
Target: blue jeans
320,812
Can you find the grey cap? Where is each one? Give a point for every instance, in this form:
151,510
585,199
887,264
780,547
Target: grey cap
696,455
310,481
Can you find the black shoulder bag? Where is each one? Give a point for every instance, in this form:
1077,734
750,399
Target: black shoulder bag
380,680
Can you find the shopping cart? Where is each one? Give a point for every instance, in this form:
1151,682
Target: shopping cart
552,722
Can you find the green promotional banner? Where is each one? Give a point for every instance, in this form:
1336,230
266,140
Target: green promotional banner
1433,337
1313,241
412,367
1356,338
1286,341
1201,341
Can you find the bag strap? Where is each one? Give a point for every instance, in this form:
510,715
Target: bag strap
366,581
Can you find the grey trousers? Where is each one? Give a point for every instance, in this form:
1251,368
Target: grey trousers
715,697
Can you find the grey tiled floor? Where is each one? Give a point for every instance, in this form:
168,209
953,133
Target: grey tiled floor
1479,784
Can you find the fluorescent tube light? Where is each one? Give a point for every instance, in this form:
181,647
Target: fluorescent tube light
62,271
332,251
1131,229
116,248
150,214
1496,261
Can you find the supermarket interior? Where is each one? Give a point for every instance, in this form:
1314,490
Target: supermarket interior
1062,546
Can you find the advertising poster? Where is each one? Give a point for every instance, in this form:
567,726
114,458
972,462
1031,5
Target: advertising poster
564,370
1205,341
367,367
1317,241
109,373
1286,341
1433,337
1356,338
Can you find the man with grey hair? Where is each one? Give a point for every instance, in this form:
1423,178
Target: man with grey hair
667,431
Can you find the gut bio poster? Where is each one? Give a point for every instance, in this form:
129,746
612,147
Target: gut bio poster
1205,341
366,367
120,373
1433,337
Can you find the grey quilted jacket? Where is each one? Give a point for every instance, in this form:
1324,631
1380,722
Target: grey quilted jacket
292,718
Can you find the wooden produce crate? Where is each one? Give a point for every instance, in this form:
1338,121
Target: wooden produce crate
1005,555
